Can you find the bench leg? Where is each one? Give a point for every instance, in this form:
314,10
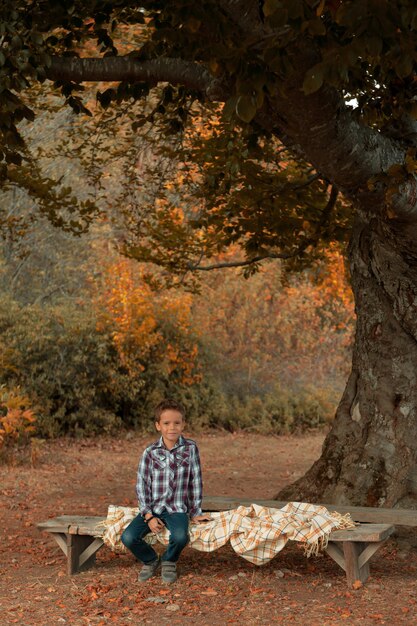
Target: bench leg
353,557
355,571
81,552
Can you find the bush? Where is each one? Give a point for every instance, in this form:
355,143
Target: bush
74,373
16,419
66,368
279,412
71,370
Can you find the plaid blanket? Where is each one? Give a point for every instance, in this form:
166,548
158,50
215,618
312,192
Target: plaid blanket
255,532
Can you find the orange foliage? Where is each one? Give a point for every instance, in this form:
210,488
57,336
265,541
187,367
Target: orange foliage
264,332
259,332
335,289
316,320
127,311
17,422
146,325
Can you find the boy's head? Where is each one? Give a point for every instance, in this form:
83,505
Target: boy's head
169,421
168,405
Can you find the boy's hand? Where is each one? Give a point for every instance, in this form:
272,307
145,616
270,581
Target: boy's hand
200,518
156,525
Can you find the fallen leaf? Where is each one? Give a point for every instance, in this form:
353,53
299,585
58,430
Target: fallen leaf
357,584
209,592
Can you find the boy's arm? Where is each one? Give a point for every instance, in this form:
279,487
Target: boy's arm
144,485
195,486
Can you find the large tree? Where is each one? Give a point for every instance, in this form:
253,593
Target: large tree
328,85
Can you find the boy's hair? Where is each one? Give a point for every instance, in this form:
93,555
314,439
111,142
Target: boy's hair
168,405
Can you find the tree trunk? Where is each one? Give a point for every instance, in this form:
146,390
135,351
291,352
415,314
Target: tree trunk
369,457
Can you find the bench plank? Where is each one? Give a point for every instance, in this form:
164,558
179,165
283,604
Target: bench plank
74,525
365,532
78,536
399,517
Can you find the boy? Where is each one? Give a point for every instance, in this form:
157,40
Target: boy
169,489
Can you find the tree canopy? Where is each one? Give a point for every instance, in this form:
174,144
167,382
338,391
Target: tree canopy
273,82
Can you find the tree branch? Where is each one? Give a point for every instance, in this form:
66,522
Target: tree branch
283,255
256,259
117,69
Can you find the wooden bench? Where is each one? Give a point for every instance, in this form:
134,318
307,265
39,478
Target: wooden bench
80,537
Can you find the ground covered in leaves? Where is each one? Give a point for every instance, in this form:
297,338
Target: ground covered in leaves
84,477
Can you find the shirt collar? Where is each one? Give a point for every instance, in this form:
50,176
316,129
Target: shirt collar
180,442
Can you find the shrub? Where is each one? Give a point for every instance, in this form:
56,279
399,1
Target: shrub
17,420
65,366
91,370
279,412
72,369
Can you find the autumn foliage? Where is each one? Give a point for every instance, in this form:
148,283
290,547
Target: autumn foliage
269,353
135,316
279,330
17,419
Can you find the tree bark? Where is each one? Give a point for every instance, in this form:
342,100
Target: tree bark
369,457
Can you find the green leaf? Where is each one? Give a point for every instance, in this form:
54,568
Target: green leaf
245,108
313,79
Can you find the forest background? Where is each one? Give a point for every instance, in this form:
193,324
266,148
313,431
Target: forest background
91,339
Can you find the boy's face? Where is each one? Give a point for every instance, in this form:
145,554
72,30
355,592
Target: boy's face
170,425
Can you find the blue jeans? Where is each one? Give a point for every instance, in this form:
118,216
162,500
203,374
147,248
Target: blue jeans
177,524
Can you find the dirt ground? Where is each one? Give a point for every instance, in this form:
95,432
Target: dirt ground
84,477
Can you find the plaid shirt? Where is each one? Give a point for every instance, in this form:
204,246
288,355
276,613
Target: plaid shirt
170,480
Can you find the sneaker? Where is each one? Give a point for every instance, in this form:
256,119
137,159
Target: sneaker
169,571
148,570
